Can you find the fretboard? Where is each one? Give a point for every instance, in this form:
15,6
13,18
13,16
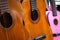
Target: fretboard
4,6
33,4
53,7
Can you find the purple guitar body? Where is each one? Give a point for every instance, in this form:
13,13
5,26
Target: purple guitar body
54,23
53,17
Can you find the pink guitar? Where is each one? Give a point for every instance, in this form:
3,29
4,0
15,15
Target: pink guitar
53,17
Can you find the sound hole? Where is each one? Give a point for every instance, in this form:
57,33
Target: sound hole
34,15
23,22
21,1
55,21
6,20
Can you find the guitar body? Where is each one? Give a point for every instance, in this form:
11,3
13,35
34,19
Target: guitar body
40,26
54,23
16,30
2,34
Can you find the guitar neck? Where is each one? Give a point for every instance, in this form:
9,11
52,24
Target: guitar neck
4,6
33,4
53,7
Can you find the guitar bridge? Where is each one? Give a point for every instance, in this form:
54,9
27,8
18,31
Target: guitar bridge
40,37
56,34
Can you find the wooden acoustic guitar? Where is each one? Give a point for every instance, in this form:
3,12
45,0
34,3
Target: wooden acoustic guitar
11,27
35,20
53,16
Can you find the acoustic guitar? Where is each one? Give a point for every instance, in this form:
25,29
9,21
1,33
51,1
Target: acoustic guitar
35,20
53,17
11,26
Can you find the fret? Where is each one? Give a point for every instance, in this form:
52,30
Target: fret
4,6
33,4
3,3
4,0
54,10
5,10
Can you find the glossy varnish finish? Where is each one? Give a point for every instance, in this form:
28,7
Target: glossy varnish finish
16,31
36,28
